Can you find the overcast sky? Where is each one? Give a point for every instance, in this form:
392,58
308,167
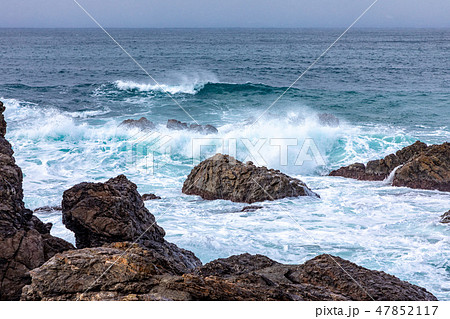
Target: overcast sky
224,13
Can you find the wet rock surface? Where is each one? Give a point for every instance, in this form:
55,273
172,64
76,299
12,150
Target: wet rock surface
146,197
140,274
173,124
251,208
223,177
25,241
103,213
418,166
143,124
445,218
328,119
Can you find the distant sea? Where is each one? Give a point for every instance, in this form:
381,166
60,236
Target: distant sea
67,90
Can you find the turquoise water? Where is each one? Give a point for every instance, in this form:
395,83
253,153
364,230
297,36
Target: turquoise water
66,91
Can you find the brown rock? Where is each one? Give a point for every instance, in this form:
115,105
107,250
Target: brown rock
139,274
102,213
67,276
146,197
143,124
429,170
328,119
25,242
445,218
418,166
251,208
223,177
2,120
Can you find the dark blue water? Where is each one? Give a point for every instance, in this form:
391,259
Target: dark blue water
66,92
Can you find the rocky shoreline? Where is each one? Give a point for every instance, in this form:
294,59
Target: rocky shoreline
121,252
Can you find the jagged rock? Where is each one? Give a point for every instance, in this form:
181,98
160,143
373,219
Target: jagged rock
25,242
146,197
2,120
445,218
139,274
223,177
176,125
328,272
418,166
102,213
143,124
48,209
204,129
429,170
134,270
251,208
328,119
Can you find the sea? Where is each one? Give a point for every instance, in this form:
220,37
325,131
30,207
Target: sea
66,92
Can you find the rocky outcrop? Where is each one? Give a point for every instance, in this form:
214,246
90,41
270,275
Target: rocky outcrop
445,218
25,242
103,213
139,274
416,166
146,197
328,119
223,177
142,124
204,129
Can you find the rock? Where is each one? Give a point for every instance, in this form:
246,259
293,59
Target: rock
102,213
176,125
445,218
134,270
25,241
328,272
146,197
418,166
2,120
250,208
48,209
328,119
138,274
143,124
204,129
223,177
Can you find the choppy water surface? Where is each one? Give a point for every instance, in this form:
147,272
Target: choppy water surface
66,91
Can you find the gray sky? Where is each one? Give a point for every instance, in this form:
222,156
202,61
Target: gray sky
225,13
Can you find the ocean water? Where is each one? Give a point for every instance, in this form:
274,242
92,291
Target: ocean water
66,92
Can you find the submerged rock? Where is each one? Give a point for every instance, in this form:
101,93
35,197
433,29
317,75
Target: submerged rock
146,197
204,129
103,213
223,177
139,274
25,241
143,124
416,166
445,218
